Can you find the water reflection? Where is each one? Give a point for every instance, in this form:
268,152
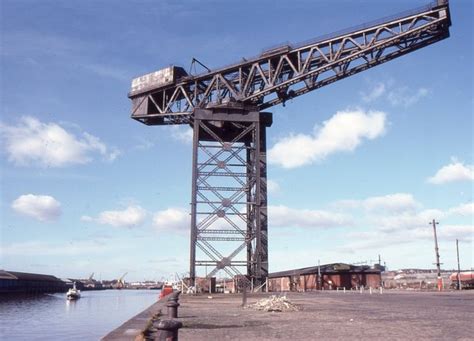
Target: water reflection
70,305
53,317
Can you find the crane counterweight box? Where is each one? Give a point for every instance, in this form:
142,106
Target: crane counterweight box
157,79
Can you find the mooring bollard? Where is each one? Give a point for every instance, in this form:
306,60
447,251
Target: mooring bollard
172,308
168,330
244,297
174,296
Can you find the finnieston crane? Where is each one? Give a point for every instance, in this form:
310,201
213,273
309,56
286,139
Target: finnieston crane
225,109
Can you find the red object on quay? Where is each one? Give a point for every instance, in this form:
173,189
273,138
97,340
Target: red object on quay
166,290
440,284
463,276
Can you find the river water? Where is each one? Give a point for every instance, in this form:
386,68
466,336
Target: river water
52,317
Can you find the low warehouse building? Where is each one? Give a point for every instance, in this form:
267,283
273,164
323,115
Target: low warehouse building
22,282
333,276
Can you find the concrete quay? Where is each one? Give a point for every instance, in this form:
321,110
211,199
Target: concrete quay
393,315
332,315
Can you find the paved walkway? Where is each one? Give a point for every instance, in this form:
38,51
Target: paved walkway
332,315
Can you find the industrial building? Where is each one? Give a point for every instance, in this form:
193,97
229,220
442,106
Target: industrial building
22,282
331,277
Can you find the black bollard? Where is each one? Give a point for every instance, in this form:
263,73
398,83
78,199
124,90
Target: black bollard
168,330
174,296
172,308
244,297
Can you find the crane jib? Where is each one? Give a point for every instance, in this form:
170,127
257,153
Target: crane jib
283,72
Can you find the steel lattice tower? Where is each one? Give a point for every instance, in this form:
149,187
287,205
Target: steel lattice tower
229,191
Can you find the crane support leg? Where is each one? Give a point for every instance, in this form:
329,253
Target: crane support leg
229,193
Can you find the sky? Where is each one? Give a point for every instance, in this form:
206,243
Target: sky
356,169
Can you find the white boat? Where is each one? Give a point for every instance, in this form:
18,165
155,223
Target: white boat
73,293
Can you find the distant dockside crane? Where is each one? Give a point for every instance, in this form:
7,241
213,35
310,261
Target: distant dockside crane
120,282
225,109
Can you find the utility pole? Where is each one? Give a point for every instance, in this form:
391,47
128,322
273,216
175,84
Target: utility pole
380,268
438,264
319,275
459,267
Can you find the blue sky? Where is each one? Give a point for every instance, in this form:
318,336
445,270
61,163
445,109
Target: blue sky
85,189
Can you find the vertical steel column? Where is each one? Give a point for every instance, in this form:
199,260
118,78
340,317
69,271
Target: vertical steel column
250,229
262,233
258,202
258,221
192,257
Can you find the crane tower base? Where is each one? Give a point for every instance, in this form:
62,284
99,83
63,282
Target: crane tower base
229,192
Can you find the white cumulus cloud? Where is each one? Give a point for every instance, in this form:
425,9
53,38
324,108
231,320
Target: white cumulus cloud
462,210
447,232
378,238
407,220
391,203
290,217
174,219
455,171
129,217
35,143
343,132
41,207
